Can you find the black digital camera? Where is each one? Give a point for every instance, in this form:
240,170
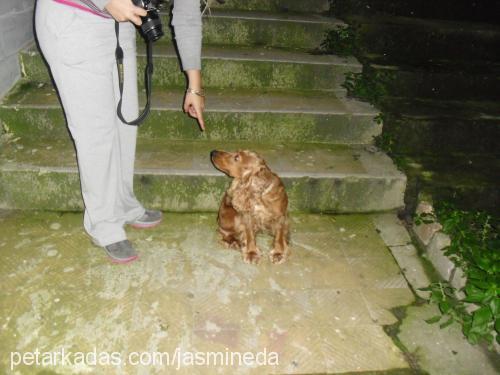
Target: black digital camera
151,27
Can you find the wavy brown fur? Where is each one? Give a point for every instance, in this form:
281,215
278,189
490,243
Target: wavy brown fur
256,201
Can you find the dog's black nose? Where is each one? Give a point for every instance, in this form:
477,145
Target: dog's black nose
213,153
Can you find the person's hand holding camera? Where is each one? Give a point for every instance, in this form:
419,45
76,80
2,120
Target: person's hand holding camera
125,10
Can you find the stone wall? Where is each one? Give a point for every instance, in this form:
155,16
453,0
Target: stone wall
16,31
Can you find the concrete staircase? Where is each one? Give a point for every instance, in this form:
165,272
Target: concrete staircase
438,67
266,92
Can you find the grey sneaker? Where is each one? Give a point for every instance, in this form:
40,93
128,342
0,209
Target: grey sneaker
121,252
150,219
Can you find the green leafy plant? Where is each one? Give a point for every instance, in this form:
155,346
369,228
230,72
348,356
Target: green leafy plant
385,142
370,85
425,218
475,247
340,41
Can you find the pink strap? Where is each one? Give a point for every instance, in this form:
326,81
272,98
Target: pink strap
81,7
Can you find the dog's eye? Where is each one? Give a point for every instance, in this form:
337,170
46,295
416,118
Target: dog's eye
237,157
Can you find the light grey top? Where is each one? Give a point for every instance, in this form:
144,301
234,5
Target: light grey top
187,29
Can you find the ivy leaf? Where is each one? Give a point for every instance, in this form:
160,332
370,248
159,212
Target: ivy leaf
446,324
474,298
480,284
475,240
495,306
473,294
482,262
481,317
488,337
475,273
444,306
433,320
473,338
466,328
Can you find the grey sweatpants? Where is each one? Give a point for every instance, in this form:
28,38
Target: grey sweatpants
79,48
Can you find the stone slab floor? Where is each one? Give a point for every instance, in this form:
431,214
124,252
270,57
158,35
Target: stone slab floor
322,312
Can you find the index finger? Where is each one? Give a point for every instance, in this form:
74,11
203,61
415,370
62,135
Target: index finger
201,121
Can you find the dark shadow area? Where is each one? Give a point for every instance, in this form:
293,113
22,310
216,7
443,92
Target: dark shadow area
433,70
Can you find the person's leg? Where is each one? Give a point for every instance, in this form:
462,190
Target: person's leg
80,50
127,205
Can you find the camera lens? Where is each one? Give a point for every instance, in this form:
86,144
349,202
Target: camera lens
152,27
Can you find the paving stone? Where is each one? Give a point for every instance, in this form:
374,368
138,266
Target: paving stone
425,232
380,273
441,262
459,279
380,302
186,291
349,350
443,351
411,265
392,231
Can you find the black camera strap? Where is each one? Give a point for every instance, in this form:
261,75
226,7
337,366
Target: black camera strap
147,80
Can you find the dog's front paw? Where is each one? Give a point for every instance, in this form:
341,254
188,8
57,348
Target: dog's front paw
231,244
252,257
278,257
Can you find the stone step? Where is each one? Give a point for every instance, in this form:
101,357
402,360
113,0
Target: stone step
178,176
225,67
441,127
310,6
282,30
453,109
471,181
465,10
439,82
442,136
33,111
416,42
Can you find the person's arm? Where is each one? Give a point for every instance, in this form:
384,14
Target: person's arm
188,30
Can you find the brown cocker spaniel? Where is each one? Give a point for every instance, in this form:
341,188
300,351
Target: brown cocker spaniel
256,201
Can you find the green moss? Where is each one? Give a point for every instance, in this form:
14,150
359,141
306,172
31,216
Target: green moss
48,123
274,5
20,90
231,73
61,191
34,113
248,32
34,68
34,123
